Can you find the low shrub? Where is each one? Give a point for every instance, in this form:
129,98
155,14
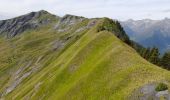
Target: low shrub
161,87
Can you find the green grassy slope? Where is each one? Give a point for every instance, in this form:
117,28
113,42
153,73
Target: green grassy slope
89,64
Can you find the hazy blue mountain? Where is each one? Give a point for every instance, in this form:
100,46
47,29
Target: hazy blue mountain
149,32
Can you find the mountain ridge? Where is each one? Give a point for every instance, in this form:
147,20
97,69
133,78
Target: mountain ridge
34,20
74,58
22,23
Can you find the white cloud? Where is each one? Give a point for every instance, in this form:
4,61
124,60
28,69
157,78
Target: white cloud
119,9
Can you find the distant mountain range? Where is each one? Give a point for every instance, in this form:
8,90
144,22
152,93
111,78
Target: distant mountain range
149,32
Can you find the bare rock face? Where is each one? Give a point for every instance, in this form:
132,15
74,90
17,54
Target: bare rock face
148,92
71,19
67,21
12,27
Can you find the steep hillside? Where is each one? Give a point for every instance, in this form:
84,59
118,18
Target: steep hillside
149,32
73,58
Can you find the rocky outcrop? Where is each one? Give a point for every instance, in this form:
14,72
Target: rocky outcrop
67,21
12,27
148,92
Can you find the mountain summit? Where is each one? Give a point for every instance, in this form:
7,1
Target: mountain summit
29,21
72,58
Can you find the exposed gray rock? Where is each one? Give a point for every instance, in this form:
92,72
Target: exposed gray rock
17,78
37,86
147,92
165,94
71,19
58,45
67,21
21,74
89,25
12,27
81,29
17,82
92,23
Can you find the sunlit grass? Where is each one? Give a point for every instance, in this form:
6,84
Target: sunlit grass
91,65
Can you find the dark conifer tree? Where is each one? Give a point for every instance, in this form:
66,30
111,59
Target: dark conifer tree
154,56
165,61
147,53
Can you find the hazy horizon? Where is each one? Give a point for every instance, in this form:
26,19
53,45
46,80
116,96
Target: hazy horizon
121,10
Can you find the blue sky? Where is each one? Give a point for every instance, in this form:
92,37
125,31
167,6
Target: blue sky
116,9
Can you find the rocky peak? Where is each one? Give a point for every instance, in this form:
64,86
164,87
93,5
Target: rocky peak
71,19
68,16
67,21
14,26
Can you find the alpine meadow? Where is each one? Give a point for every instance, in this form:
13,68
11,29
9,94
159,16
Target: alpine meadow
48,57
